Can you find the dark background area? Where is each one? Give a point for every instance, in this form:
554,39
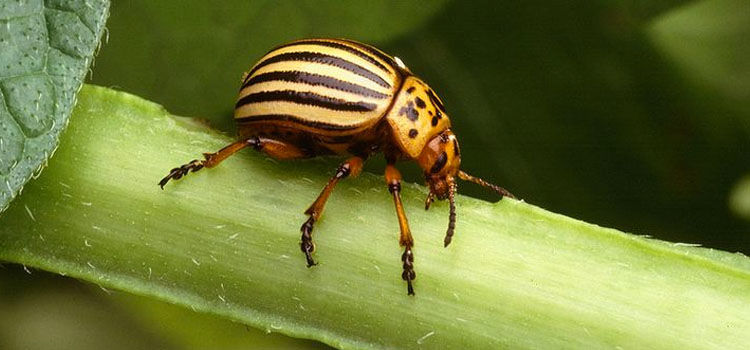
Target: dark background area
633,115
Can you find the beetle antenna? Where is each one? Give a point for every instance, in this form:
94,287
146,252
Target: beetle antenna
427,201
452,215
501,191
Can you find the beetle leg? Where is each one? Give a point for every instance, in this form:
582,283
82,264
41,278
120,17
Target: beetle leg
210,161
393,179
274,148
280,150
352,166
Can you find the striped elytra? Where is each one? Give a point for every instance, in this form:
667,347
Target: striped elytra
336,96
323,85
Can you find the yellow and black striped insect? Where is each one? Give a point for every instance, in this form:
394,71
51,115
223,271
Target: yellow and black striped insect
339,97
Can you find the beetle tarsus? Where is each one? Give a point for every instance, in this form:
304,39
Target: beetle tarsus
306,245
408,275
178,173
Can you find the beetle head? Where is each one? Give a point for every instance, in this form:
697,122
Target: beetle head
440,160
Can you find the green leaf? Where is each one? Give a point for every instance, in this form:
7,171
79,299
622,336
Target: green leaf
45,51
225,241
196,51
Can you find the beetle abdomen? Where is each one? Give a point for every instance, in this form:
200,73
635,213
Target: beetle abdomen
321,86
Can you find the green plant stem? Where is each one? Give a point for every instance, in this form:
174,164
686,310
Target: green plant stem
225,241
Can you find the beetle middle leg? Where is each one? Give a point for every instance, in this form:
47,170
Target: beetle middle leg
274,148
352,166
393,179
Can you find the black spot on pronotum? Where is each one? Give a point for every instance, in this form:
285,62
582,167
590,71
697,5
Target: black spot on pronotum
410,90
439,163
409,111
413,133
455,148
420,103
434,121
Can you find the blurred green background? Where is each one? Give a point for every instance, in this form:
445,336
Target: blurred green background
628,114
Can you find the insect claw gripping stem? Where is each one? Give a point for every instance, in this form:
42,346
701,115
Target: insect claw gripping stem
307,246
178,173
408,275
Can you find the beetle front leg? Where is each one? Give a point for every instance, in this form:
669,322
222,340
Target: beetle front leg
393,179
352,166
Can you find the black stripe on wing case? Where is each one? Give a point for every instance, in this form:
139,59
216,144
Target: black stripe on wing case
307,98
294,119
315,80
340,46
324,59
374,51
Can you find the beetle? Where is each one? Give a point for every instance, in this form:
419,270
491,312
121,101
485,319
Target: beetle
317,97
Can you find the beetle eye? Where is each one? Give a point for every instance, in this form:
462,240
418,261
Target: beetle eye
443,138
439,163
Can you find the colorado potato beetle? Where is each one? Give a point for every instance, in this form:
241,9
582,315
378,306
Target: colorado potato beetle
340,97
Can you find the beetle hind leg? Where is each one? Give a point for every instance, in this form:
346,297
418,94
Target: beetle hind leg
351,166
179,172
274,148
211,160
